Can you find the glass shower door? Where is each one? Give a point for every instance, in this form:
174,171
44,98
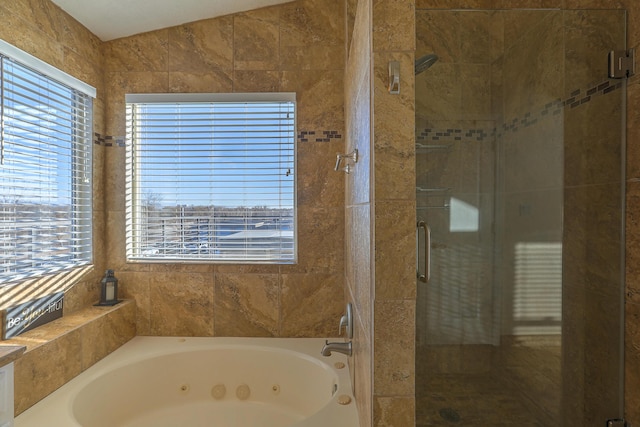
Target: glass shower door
519,177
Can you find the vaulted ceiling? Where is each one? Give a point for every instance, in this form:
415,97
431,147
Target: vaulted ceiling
112,19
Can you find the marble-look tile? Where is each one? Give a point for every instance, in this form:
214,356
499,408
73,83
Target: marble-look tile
312,57
475,86
318,183
135,286
22,34
393,25
182,304
632,362
320,241
319,97
475,37
256,81
311,304
533,71
394,371
105,334
591,242
593,4
41,15
633,131
438,92
361,368
394,123
358,181
358,270
118,84
248,268
79,67
358,117
247,305
496,35
453,4
633,21
359,53
114,186
306,22
438,31
73,35
202,46
394,411
116,243
515,20
589,36
497,90
142,52
42,370
593,152
256,39
214,81
532,214
535,157
82,294
200,268
395,243
517,4
574,311
352,9
632,242
312,35
603,355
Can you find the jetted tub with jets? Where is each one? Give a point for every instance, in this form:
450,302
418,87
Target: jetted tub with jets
194,382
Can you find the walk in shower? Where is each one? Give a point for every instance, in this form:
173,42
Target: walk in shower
519,191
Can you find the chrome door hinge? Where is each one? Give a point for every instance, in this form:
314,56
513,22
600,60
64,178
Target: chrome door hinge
622,63
617,423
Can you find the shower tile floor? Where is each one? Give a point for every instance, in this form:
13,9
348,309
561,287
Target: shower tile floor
522,388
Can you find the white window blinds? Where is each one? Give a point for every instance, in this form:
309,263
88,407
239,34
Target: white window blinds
45,174
211,178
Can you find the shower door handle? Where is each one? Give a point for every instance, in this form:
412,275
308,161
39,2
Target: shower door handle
424,278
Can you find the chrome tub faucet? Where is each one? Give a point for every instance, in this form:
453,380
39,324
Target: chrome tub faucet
340,347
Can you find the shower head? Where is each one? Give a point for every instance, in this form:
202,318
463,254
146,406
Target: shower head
425,62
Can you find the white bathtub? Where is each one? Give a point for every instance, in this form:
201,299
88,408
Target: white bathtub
193,382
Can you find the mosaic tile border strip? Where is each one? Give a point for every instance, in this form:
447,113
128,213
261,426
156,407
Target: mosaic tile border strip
429,134
576,98
108,140
318,136
303,136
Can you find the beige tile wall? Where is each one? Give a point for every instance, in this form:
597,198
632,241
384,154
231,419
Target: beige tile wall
394,216
296,47
358,202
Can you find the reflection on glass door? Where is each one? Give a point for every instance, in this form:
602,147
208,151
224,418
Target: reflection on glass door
519,153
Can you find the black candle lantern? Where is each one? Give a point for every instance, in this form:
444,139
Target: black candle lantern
108,289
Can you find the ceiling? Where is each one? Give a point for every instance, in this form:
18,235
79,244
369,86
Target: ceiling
112,19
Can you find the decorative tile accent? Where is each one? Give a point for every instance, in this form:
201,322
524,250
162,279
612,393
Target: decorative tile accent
322,136
455,134
576,98
108,140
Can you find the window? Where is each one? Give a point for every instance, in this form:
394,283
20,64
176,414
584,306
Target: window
210,177
45,168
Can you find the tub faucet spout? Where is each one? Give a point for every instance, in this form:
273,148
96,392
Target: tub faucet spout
340,347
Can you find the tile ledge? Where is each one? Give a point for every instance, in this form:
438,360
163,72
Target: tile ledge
53,330
9,353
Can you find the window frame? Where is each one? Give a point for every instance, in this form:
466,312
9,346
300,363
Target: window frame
133,206
77,149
